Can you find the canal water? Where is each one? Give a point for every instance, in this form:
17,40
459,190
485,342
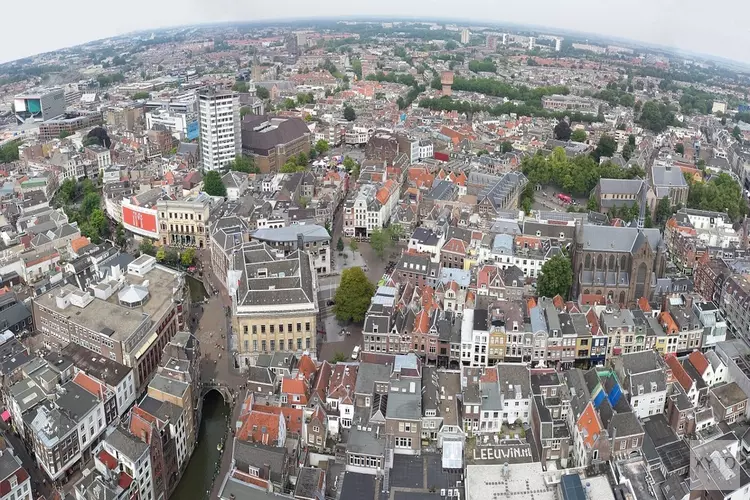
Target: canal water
206,459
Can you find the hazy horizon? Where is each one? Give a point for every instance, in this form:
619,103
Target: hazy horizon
680,26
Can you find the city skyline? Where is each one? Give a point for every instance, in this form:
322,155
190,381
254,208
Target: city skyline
641,21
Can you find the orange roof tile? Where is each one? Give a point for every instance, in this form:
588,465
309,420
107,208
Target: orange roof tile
306,367
255,423
140,428
90,385
699,361
668,323
292,416
643,305
679,372
79,243
589,422
558,302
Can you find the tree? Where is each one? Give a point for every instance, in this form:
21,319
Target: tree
120,237
240,86
262,92
562,131
212,184
606,147
302,159
161,254
353,295
9,152
340,245
656,116
631,140
291,167
627,151
91,141
67,191
353,245
593,203
147,247
91,201
98,221
244,164
349,163
349,113
556,277
188,257
679,148
245,110
64,134
380,240
663,211
578,135
338,357
322,146
506,147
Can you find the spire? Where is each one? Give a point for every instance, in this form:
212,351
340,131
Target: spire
642,212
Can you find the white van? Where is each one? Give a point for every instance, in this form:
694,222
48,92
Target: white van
355,352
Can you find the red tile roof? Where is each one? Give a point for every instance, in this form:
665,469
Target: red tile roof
108,460
292,416
79,243
589,425
125,481
306,367
255,423
679,372
21,476
699,362
90,385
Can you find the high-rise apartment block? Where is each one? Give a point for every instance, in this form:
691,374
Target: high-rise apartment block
219,118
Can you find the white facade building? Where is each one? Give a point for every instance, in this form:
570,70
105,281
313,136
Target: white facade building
219,121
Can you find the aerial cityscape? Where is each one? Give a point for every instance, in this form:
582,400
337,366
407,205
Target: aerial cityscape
374,259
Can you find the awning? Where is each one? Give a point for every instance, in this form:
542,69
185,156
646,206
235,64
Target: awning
5,416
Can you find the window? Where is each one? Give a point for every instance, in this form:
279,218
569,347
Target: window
316,428
403,442
255,329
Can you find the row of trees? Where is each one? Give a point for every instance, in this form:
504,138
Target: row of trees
577,176
496,88
445,103
402,78
294,164
172,257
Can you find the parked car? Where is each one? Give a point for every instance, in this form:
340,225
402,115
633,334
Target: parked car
355,352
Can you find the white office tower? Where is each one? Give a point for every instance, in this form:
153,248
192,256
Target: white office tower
558,44
220,138
532,41
465,36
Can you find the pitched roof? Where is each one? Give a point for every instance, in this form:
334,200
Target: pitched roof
679,373
292,416
259,427
306,367
699,362
589,425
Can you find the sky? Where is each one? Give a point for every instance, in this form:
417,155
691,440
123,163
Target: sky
714,27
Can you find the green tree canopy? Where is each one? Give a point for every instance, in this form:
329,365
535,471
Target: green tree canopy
720,194
353,295
262,92
506,147
188,257
576,176
380,240
556,277
340,245
656,116
161,254
349,113
244,164
578,135
212,184
240,86
663,211
141,95
9,152
147,247
679,148
562,131
322,147
607,147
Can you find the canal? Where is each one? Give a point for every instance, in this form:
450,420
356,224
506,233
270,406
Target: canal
206,459
197,289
